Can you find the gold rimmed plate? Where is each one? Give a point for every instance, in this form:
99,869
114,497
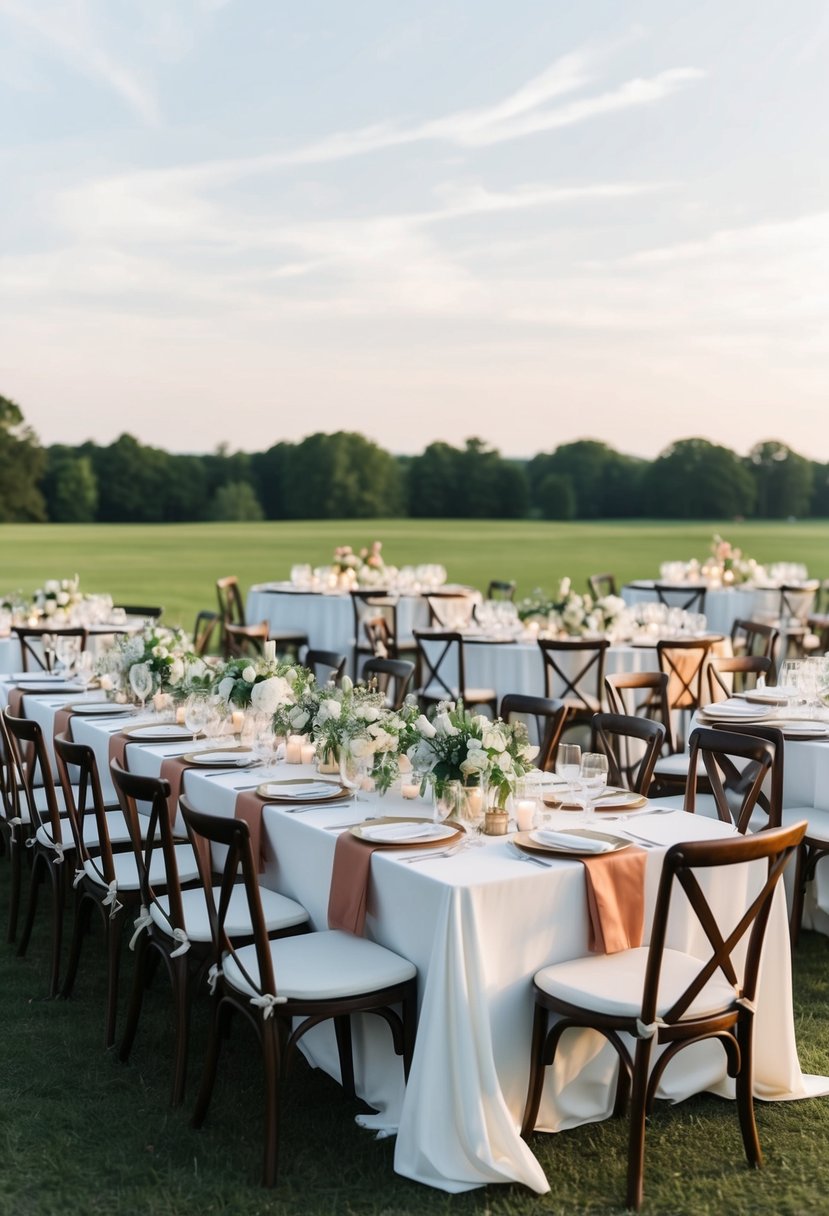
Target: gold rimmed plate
302,791
160,732
224,757
99,707
528,843
617,800
433,834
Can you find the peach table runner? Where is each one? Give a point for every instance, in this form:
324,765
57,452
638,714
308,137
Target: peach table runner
349,884
615,900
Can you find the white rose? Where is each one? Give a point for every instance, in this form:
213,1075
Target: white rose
360,747
62,599
175,672
475,762
494,740
249,674
443,726
383,741
49,607
367,713
425,728
328,711
346,684
298,717
225,688
267,695
51,586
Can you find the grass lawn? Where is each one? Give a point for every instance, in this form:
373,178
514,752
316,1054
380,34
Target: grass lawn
177,564
83,1133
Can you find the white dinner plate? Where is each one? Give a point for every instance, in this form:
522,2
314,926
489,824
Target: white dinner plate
99,707
241,757
159,732
398,833
570,842
733,711
303,789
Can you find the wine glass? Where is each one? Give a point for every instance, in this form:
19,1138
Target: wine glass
353,770
267,746
593,778
568,764
196,710
141,681
85,669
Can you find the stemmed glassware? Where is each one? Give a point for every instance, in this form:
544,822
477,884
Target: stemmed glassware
568,764
593,779
196,710
141,681
353,770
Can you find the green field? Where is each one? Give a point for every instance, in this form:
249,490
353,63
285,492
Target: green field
177,564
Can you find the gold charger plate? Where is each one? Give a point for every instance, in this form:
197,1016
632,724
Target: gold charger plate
221,754
338,793
156,734
525,841
625,801
440,842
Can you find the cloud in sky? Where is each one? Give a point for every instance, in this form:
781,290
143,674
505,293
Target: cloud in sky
577,215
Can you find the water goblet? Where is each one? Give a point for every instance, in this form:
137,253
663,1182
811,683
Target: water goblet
568,764
141,681
353,770
196,710
593,778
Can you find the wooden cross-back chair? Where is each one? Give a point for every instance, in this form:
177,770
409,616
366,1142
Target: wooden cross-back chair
284,987
392,677
617,736
327,665
549,716
204,629
664,997
602,585
739,763
245,641
753,638
501,589
440,658
744,670
683,661
645,694
151,612
689,599
376,628
37,651
578,684
232,613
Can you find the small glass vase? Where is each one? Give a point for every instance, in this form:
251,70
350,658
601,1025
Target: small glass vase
446,800
328,760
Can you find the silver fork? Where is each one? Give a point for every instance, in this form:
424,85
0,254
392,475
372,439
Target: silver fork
456,848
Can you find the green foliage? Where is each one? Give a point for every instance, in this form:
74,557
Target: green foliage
783,481
555,496
695,479
22,462
235,501
70,486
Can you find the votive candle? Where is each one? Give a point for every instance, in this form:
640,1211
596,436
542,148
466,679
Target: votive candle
307,752
525,814
293,749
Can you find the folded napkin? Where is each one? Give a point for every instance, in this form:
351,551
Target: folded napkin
615,900
571,842
348,897
407,831
62,723
240,758
249,806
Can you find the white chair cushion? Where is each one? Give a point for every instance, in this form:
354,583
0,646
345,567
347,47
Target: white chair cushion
116,826
613,983
474,696
279,911
676,765
322,966
126,869
818,829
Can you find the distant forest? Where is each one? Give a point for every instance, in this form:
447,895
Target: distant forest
346,476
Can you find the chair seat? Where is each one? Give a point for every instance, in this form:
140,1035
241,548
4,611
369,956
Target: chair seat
329,965
126,870
116,826
676,766
279,911
576,705
612,984
818,829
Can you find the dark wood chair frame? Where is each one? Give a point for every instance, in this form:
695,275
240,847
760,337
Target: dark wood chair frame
204,629
688,687
742,665
430,668
28,635
692,599
613,733
274,1025
501,589
580,706
15,831
760,750
550,716
732,1026
331,660
150,611
601,585
391,676
232,612
244,641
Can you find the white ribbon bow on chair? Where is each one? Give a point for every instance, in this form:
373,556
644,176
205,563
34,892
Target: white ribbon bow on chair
213,976
143,921
266,1003
14,822
111,901
184,943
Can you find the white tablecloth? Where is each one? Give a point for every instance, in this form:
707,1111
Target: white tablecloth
723,605
477,926
328,620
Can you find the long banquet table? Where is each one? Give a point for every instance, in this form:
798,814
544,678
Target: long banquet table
477,925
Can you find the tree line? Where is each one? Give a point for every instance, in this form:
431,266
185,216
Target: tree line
346,476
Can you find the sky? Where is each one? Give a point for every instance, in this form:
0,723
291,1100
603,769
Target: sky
244,221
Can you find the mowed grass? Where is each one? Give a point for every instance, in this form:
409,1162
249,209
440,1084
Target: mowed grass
177,564
82,1133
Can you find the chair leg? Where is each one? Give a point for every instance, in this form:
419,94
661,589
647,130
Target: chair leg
56,874
744,1095
409,1017
799,892
136,997
181,1002
342,1029
83,912
14,894
636,1144
218,1031
270,1061
115,933
537,1066
34,881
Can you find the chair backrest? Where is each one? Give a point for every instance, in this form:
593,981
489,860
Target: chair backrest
375,624
379,637
737,788
641,694
233,835
83,797
450,609
683,867
601,585
746,669
501,589
797,601
151,612
550,718
37,644
440,656
231,608
582,683
753,638
31,761
245,641
327,665
11,776
203,630
155,792
689,599
683,661
628,765
391,677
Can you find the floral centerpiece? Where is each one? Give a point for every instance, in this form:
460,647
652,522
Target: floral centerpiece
571,613
731,563
167,654
263,684
457,745
365,568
